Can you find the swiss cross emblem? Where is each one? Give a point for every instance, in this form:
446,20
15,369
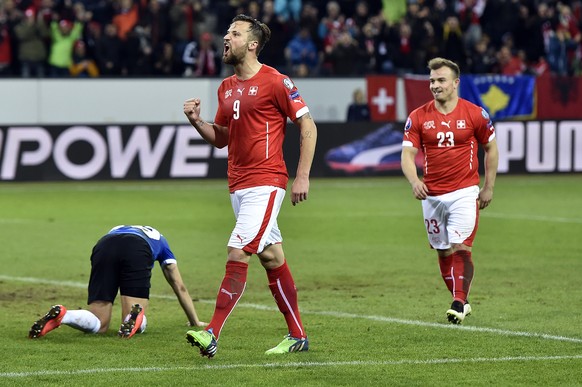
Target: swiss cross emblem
461,124
253,90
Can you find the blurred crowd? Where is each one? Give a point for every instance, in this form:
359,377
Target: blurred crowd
183,38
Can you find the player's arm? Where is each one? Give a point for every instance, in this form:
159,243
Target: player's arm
419,189
307,142
174,278
213,134
491,163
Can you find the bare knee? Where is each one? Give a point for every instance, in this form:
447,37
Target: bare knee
460,246
238,255
272,257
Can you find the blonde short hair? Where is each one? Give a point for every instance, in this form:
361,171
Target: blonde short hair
437,63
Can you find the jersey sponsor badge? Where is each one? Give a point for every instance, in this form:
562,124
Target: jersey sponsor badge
484,114
294,95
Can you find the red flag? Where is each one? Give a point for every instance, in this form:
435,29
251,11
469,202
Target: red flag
417,91
382,97
559,97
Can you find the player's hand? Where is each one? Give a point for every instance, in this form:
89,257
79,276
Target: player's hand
419,190
485,197
299,190
192,108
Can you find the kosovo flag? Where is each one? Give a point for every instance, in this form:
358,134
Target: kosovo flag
503,96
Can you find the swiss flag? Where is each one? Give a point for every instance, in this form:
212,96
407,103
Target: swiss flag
382,97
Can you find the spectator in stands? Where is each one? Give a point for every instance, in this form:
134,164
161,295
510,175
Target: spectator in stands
189,58
125,18
310,19
568,26
281,33
108,52
288,10
424,36
404,49
102,10
302,71
9,16
254,9
453,43
498,19
528,34
469,14
185,15
509,63
164,63
559,44
358,110
394,50
385,38
91,35
31,34
64,34
82,66
139,59
45,10
366,42
345,56
333,20
301,50
156,17
209,60
482,57
361,15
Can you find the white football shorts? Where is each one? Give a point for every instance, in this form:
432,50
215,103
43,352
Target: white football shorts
256,210
451,218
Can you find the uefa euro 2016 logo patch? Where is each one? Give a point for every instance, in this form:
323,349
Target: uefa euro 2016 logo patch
288,84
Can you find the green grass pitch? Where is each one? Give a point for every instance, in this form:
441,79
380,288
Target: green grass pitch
371,296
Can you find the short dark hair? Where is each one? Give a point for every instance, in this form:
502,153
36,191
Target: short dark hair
437,63
259,30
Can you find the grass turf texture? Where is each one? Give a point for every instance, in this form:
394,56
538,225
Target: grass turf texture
370,291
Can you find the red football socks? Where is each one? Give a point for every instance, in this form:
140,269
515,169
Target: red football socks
462,274
446,265
283,289
232,287
457,272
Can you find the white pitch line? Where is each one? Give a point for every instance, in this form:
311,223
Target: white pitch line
334,314
290,365
539,218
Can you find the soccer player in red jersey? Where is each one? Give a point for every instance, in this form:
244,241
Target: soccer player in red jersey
449,131
253,107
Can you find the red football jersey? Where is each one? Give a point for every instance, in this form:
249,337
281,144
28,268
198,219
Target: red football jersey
450,143
255,111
